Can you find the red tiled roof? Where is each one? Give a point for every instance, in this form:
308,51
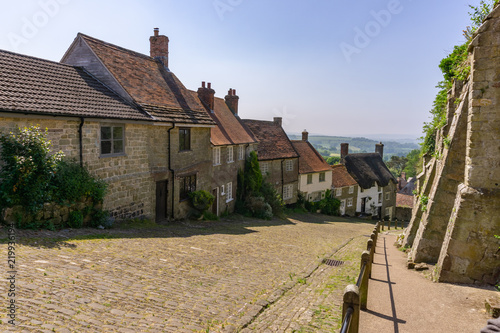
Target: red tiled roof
149,83
340,176
273,141
404,200
310,160
229,129
32,85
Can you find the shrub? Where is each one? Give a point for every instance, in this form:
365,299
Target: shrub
101,218
201,200
273,198
259,208
329,205
75,220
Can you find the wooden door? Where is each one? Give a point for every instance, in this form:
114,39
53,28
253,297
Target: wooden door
215,205
161,200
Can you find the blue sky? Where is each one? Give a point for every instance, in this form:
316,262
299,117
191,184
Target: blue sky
334,67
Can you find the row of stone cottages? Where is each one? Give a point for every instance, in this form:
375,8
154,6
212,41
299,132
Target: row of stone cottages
132,122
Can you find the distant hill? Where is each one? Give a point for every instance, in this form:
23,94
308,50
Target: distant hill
330,145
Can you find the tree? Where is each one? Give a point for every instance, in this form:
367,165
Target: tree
333,160
397,164
413,165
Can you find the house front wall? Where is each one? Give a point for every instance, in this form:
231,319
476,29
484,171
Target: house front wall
279,177
378,198
371,197
389,201
345,196
316,190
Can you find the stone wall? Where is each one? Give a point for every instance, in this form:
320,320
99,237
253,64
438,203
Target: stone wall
461,218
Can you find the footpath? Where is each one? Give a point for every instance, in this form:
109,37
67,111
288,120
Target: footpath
403,300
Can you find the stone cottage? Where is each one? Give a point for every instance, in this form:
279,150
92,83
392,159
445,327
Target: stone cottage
346,189
231,142
315,175
377,186
278,160
123,114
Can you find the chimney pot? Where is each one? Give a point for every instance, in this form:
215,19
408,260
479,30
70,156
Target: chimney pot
379,148
234,92
207,95
305,136
203,84
209,85
156,32
232,101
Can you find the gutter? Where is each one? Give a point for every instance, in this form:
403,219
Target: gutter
170,166
80,137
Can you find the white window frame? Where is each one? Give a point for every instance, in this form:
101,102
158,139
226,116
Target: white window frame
287,192
229,193
311,177
380,198
324,177
216,156
241,152
351,189
222,190
338,192
264,168
289,165
349,202
230,154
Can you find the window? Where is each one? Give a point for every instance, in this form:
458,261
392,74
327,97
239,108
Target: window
222,189
241,153
349,202
112,140
216,156
184,139
388,211
379,197
230,157
351,189
387,196
289,165
287,192
379,188
322,177
338,192
309,178
264,168
187,185
229,192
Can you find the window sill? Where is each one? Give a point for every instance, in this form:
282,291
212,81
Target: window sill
112,155
185,151
229,200
230,162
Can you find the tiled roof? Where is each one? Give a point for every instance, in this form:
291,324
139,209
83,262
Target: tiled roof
149,83
273,141
340,176
368,169
404,200
310,160
229,129
409,187
32,85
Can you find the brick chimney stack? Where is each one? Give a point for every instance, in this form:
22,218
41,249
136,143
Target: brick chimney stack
278,121
207,95
232,101
159,47
305,136
379,148
344,151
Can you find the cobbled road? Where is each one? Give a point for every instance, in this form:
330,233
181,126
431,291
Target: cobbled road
222,276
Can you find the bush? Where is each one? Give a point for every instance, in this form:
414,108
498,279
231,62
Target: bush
75,220
273,198
259,208
101,218
201,201
329,205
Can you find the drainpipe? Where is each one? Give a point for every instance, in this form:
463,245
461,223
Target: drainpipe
80,135
282,178
170,166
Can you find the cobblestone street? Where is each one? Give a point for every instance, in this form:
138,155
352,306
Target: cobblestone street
183,277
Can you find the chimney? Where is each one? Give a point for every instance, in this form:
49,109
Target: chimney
232,101
278,121
379,148
158,47
207,95
403,175
344,151
305,136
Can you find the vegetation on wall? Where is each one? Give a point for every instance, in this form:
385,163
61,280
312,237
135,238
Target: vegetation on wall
256,197
454,67
32,175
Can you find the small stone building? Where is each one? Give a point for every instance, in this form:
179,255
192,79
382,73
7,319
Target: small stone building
278,160
315,175
377,186
231,143
346,189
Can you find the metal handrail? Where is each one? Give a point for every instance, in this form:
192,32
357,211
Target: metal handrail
347,320
360,276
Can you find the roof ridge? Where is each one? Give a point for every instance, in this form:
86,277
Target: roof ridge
114,46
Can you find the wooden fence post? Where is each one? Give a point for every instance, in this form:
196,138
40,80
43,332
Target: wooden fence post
363,285
351,299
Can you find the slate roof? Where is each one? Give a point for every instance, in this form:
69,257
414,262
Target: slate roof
404,200
149,83
273,141
37,86
368,169
310,160
229,129
340,176
409,187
